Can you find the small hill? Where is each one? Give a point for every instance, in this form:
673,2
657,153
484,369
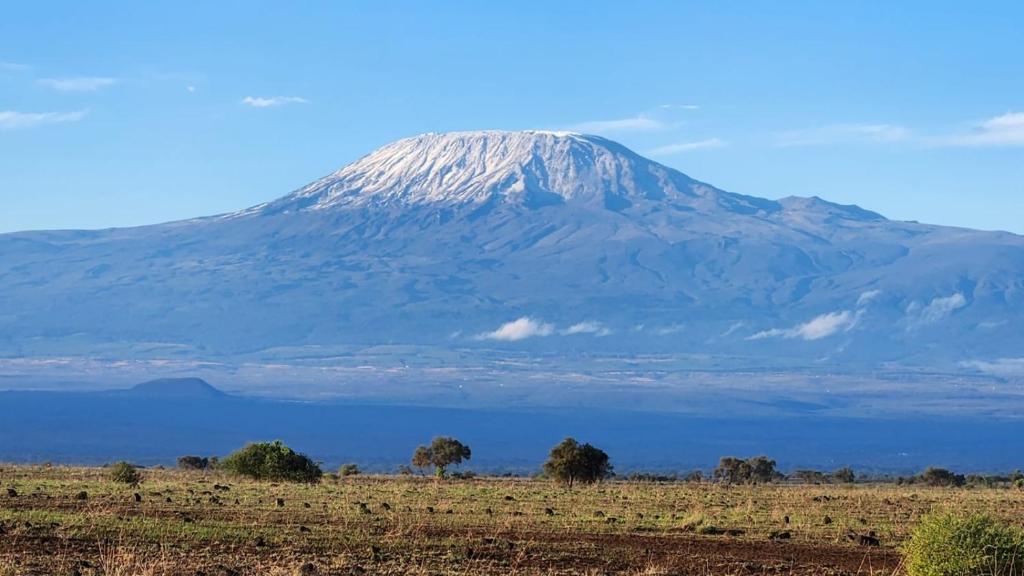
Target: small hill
175,388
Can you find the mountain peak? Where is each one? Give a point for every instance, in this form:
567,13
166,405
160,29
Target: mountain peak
533,168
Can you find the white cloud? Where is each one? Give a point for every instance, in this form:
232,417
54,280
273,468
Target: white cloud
679,107
842,134
272,101
868,297
190,88
588,327
634,124
10,119
817,328
940,308
519,329
680,147
79,84
1005,130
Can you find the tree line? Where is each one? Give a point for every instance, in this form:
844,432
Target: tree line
569,462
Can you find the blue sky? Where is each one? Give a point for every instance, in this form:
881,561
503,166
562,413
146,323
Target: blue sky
115,114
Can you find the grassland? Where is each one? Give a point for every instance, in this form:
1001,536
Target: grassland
74,521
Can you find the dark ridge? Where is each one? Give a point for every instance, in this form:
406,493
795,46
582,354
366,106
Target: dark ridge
174,388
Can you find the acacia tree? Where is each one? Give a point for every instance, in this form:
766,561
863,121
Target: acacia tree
570,462
442,453
757,470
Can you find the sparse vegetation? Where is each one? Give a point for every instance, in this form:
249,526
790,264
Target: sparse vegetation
964,545
571,462
442,453
348,470
125,473
272,461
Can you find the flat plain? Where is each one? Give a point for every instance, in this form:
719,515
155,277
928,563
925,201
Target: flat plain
75,521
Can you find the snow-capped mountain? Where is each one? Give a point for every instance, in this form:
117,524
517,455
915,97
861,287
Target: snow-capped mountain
541,241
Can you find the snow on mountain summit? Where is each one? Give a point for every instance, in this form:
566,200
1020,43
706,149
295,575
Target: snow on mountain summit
529,168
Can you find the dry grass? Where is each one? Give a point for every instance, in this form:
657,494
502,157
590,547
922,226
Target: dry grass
390,525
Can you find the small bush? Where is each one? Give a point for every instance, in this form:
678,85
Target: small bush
272,461
193,463
348,470
956,545
125,473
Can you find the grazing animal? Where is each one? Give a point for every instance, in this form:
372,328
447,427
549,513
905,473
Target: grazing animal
138,497
12,492
83,495
779,535
280,502
549,511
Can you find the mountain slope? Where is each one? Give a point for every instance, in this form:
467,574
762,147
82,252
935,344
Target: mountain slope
516,241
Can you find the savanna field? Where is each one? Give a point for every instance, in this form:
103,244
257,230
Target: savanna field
77,521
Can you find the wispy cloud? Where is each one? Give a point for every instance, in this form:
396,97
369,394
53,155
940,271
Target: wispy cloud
940,308
679,107
272,101
10,119
680,147
519,329
1005,130
14,67
667,330
1001,367
634,124
819,327
868,297
77,84
588,327
842,134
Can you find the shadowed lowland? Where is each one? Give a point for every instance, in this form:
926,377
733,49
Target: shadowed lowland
155,422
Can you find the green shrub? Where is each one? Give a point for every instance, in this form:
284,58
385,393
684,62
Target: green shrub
272,461
348,470
959,545
125,473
